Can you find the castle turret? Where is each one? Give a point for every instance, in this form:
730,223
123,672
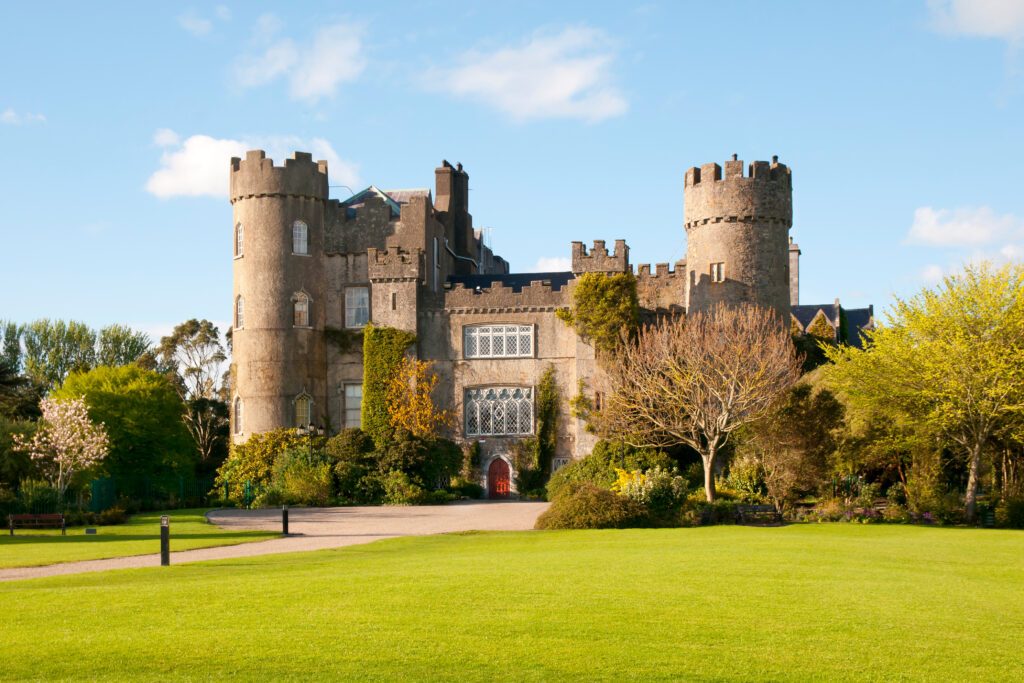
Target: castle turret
279,361
737,227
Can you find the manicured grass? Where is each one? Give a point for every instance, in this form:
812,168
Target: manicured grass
140,535
815,602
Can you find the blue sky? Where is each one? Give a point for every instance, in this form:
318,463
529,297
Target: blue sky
903,123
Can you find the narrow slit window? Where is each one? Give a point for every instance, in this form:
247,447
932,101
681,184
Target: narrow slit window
300,309
300,238
718,272
239,240
239,311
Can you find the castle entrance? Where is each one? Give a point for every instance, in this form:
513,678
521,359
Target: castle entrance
498,479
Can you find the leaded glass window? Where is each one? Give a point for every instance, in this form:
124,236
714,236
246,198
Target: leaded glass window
300,238
499,411
498,341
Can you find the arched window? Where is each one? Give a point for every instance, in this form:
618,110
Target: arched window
300,238
303,411
239,312
238,415
300,310
239,240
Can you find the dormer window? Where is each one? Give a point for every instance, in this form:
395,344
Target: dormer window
300,238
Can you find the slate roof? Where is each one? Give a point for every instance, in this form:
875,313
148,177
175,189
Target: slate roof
856,320
805,314
514,280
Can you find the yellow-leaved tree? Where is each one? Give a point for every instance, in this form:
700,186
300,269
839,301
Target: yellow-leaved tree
950,360
410,401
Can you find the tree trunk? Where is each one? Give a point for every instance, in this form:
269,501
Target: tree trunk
709,476
971,499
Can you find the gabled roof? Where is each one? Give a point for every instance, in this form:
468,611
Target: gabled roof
806,314
514,280
359,198
858,319
403,196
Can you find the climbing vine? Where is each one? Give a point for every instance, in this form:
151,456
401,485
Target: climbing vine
822,329
343,340
603,306
383,352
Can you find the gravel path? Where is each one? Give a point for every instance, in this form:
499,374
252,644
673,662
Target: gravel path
317,529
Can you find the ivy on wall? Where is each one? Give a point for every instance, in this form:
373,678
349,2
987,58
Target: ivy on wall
603,305
343,340
383,351
532,457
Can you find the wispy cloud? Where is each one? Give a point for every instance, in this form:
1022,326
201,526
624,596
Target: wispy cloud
314,69
551,75
551,264
197,166
963,227
11,117
1002,19
195,24
966,235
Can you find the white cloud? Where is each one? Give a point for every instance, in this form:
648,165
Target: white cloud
932,274
563,75
12,118
195,24
968,226
1003,19
198,165
313,70
165,137
551,264
223,12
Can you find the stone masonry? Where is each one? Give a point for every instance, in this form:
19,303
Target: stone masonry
309,270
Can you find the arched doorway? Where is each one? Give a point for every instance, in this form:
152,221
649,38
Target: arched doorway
499,480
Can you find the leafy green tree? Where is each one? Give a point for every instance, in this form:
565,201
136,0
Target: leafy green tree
121,345
951,360
55,348
10,344
793,445
142,414
19,398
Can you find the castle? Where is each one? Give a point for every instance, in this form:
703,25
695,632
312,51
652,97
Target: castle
307,266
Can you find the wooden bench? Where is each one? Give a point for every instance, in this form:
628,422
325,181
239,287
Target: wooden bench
49,521
758,514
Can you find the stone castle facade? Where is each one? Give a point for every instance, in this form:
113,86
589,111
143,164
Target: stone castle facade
310,270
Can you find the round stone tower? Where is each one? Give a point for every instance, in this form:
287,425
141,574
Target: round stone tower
278,307
737,234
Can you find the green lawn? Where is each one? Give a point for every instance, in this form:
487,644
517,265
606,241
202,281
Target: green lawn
139,536
807,602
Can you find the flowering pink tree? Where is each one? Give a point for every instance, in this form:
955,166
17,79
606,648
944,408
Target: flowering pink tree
66,443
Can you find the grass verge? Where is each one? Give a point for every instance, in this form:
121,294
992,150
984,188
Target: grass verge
805,602
140,535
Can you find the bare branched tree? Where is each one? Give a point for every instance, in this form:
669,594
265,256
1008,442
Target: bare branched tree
695,381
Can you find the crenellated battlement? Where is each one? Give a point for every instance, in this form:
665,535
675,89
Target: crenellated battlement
599,260
756,171
257,176
661,270
763,194
394,264
539,295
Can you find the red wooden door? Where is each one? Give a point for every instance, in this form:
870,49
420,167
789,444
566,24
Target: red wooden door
498,479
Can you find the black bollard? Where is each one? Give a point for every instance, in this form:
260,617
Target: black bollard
284,519
165,541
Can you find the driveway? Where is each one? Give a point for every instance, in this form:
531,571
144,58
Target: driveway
320,528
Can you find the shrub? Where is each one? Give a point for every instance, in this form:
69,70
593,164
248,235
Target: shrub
440,497
660,491
467,489
253,462
111,516
599,468
38,497
8,503
1010,513
424,461
586,506
353,457
399,489
697,511
301,479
